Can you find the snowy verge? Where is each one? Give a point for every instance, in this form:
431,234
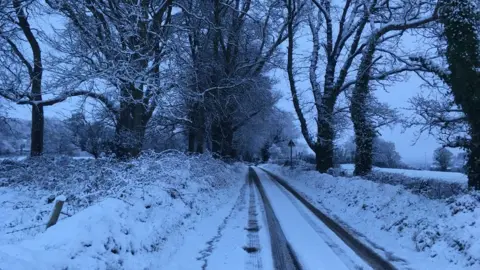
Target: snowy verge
122,213
452,177
416,232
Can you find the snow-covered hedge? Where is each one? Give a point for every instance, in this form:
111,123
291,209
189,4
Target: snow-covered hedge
431,188
426,233
121,212
434,185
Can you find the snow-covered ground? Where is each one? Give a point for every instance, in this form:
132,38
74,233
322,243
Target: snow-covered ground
453,177
20,158
120,215
414,231
17,158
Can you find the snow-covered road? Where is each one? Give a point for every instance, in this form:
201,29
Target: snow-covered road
236,237
315,246
266,227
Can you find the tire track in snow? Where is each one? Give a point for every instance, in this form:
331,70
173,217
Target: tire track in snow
334,246
254,260
211,244
363,251
283,256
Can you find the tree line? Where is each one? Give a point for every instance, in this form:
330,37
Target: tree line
198,68
357,47
203,69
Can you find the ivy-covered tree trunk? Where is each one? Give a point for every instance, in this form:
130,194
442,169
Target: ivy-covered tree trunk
364,129
460,19
473,164
326,134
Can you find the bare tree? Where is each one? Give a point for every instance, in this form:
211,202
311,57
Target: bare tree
340,53
439,116
385,154
92,137
21,74
272,127
121,46
231,45
442,158
402,16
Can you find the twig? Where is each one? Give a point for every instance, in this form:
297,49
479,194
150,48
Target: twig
66,214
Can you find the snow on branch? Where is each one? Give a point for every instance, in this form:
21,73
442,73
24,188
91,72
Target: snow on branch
64,96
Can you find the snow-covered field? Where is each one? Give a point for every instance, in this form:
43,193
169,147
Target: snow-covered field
118,215
414,231
17,158
453,177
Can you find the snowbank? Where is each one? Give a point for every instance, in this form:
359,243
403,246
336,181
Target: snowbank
453,177
122,213
416,232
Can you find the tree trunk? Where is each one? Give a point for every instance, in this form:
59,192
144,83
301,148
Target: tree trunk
459,20
364,130
324,157
216,137
196,130
37,129
228,149
200,140
326,134
200,131
192,130
36,74
222,139
364,136
129,140
131,125
473,163
38,118
191,140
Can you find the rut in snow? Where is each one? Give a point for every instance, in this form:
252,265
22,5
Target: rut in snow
211,244
328,240
254,260
283,255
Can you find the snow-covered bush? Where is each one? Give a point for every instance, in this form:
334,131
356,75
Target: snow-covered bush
431,188
122,213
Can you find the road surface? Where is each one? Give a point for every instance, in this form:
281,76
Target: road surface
271,226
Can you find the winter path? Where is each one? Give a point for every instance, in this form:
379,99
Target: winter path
316,242
235,237
266,227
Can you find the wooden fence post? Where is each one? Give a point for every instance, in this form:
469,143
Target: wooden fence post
56,211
